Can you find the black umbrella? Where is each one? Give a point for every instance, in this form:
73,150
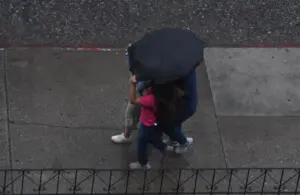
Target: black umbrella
165,55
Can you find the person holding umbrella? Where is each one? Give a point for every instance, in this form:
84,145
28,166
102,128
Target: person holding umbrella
164,56
132,114
160,108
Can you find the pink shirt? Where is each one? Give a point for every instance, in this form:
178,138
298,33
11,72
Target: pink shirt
148,109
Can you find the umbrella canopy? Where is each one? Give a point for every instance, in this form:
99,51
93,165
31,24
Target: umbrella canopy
165,55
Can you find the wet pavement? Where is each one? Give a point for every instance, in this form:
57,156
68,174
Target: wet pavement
59,109
115,23
63,104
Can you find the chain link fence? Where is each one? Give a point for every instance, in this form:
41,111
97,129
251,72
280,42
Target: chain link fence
173,181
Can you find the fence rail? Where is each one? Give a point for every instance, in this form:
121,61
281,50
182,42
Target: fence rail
173,181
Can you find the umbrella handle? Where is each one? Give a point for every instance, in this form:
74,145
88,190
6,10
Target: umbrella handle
130,58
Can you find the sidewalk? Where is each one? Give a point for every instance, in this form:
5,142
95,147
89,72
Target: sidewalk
257,103
63,108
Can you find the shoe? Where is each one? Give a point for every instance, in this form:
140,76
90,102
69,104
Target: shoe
171,143
120,139
137,165
183,147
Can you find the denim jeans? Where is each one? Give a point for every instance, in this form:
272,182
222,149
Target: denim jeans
176,134
152,135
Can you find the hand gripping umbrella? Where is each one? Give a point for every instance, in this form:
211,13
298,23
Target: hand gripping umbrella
165,55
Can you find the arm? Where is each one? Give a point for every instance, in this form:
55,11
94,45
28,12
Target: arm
132,94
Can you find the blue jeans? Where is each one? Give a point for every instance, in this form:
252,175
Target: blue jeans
152,135
176,133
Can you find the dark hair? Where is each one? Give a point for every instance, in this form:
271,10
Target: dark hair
169,102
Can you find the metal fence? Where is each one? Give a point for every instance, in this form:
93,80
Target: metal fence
173,181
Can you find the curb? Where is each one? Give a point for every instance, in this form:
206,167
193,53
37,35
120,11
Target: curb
96,48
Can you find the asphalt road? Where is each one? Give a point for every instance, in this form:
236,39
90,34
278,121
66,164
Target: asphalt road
115,23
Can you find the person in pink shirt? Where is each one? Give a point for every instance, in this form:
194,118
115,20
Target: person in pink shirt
155,106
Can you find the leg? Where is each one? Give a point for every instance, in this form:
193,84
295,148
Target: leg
157,141
182,146
155,138
143,145
177,135
142,149
132,115
177,138
135,113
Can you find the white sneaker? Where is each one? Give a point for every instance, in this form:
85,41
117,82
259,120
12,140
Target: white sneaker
183,147
120,139
137,165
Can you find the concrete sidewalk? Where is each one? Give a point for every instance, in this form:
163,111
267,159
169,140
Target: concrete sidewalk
59,110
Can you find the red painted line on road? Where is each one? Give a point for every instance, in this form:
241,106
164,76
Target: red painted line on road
96,48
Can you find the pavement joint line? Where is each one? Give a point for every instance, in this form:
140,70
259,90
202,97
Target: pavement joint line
5,80
103,128
216,118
